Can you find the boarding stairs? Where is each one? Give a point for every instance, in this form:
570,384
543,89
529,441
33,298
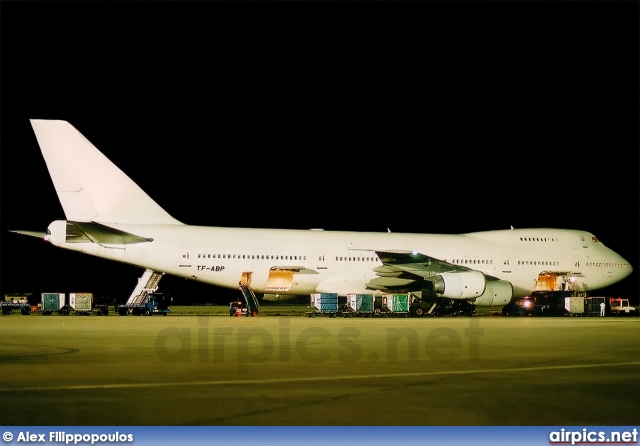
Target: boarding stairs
250,299
147,283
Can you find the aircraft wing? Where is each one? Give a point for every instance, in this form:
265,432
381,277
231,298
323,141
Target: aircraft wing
408,270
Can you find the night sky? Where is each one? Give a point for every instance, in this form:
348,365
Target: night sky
438,117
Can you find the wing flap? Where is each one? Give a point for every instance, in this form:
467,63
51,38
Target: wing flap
405,270
413,263
390,283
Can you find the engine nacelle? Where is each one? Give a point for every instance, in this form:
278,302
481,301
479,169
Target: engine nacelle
497,293
460,285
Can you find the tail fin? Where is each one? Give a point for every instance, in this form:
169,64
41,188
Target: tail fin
90,187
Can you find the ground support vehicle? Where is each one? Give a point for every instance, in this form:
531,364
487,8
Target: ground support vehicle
325,304
54,303
568,303
548,303
76,303
247,306
101,309
621,307
147,304
521,306
360,305
250,301
81,303
592,305
574,305
101,305
9,306
395,305
430,305
237,309
458,308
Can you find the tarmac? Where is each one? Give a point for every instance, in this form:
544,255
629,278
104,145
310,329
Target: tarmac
294,370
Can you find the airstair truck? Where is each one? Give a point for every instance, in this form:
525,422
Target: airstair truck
148,304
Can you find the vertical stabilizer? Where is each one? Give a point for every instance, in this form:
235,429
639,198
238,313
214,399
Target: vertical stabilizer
90,187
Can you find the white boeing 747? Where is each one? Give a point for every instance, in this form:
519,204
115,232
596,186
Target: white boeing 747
110,216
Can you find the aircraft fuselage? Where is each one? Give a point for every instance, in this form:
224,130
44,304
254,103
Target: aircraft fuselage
343,262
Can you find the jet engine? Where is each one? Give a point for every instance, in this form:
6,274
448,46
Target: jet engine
498,293
459,284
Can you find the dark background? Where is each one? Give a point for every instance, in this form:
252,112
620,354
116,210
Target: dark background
440,117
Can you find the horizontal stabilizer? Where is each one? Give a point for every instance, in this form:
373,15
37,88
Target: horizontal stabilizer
80,232
38,234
